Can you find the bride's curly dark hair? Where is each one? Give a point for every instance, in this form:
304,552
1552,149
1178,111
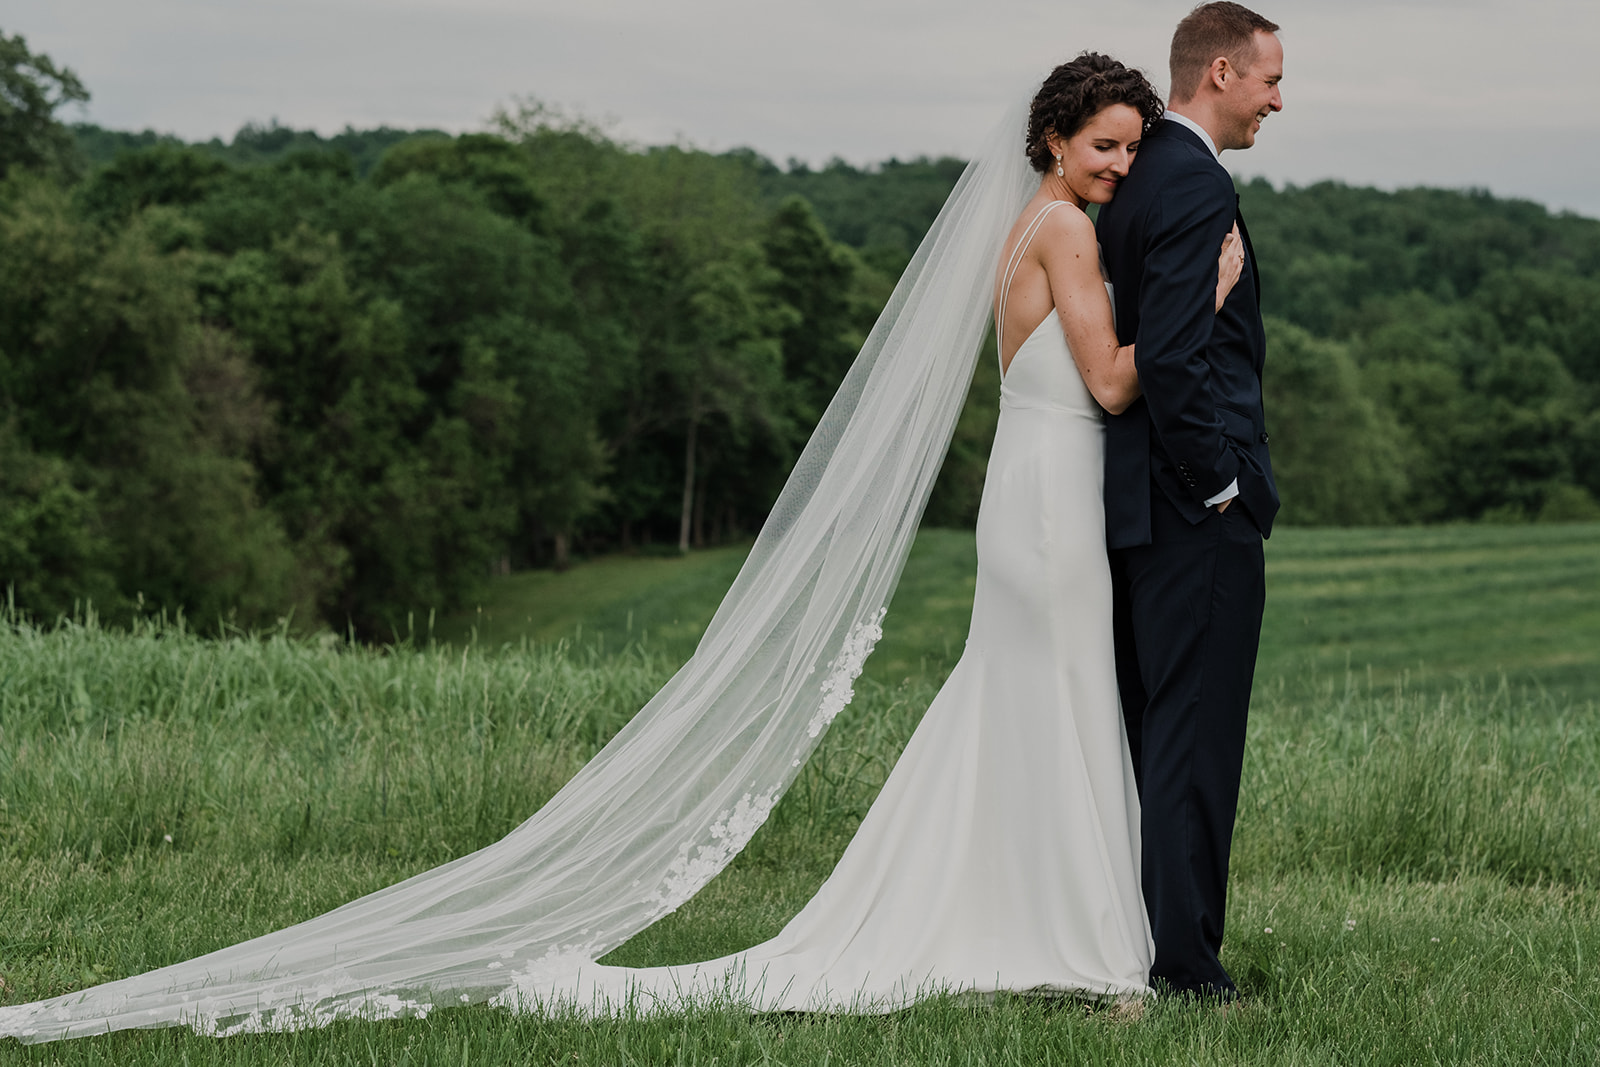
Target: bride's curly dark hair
1076,92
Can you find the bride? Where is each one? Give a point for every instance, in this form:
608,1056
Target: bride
1002,852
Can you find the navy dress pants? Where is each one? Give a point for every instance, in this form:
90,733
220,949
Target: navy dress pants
1187,615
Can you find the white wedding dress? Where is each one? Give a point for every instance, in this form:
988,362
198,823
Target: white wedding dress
1003,851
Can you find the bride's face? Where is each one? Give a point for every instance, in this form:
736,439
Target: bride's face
1096,158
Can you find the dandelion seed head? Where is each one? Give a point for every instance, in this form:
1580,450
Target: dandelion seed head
167,838
1349,924
1268,930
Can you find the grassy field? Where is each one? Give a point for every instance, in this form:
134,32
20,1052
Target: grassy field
1435,607
1415,867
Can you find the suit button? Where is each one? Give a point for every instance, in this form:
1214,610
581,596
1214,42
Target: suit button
1263,437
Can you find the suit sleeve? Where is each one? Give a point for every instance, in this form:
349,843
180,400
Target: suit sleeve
1177,303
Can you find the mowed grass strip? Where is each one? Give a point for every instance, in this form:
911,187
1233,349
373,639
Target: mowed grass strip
664,601
1425,856
1423,606
1439,606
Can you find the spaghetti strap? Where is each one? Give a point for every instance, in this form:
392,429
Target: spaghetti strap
1011,271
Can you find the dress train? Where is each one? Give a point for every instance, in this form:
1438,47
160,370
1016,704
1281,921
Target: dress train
1003,850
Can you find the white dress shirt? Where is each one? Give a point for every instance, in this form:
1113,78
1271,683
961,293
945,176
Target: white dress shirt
1185,120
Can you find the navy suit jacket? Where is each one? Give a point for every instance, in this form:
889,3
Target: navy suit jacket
1199,424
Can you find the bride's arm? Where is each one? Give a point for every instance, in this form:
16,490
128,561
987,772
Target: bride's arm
1230,264
1072,263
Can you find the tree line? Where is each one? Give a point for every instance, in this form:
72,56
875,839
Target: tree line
341,379
1433,356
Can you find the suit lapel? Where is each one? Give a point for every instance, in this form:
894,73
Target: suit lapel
1249,249
1258,357
1186,135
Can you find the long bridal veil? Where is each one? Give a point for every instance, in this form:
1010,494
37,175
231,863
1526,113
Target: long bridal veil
681,789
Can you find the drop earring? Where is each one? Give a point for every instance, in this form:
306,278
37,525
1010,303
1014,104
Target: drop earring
1059,172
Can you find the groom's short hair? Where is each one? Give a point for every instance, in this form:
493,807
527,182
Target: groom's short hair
1209,31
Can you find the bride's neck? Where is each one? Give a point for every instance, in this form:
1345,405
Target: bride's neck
1056,188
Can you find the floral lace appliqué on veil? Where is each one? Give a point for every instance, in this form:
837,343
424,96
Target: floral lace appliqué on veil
321,1008
729,834
733,829
838,689
697,864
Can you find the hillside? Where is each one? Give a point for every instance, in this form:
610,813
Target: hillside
344,381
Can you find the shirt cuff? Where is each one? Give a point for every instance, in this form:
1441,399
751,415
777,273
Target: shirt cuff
1226,495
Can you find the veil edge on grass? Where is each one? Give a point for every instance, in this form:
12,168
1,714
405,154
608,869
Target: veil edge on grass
680,790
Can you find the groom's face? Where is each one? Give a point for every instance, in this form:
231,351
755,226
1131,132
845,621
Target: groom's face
1254,93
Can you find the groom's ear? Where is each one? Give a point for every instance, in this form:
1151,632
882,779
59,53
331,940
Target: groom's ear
1220,73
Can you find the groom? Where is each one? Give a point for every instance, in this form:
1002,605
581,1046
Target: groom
1189,489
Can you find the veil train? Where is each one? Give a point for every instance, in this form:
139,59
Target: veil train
683,787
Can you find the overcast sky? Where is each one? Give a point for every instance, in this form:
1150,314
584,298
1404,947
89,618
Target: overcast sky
1503,94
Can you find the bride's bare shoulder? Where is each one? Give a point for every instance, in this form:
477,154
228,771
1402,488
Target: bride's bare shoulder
1053,223
1068,230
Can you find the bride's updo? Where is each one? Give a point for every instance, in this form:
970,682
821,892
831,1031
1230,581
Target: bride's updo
1077,91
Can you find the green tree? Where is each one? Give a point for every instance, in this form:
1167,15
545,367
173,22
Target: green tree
32,90
883,211
817,278
136,409
485,162
1336,453
959,488
54,551
161,174
1520,432
730,366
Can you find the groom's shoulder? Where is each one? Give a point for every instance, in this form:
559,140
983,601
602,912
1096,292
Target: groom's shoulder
1170,166
1170,151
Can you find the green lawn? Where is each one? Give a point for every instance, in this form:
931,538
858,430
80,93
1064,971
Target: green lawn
1438,606
1435,606
1421,838
665,600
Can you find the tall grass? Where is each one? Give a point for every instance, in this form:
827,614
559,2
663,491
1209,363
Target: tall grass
113,743
1375,781
1414,870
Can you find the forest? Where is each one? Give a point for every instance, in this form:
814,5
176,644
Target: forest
331,381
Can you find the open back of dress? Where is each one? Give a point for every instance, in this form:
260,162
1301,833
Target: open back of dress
1003,851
